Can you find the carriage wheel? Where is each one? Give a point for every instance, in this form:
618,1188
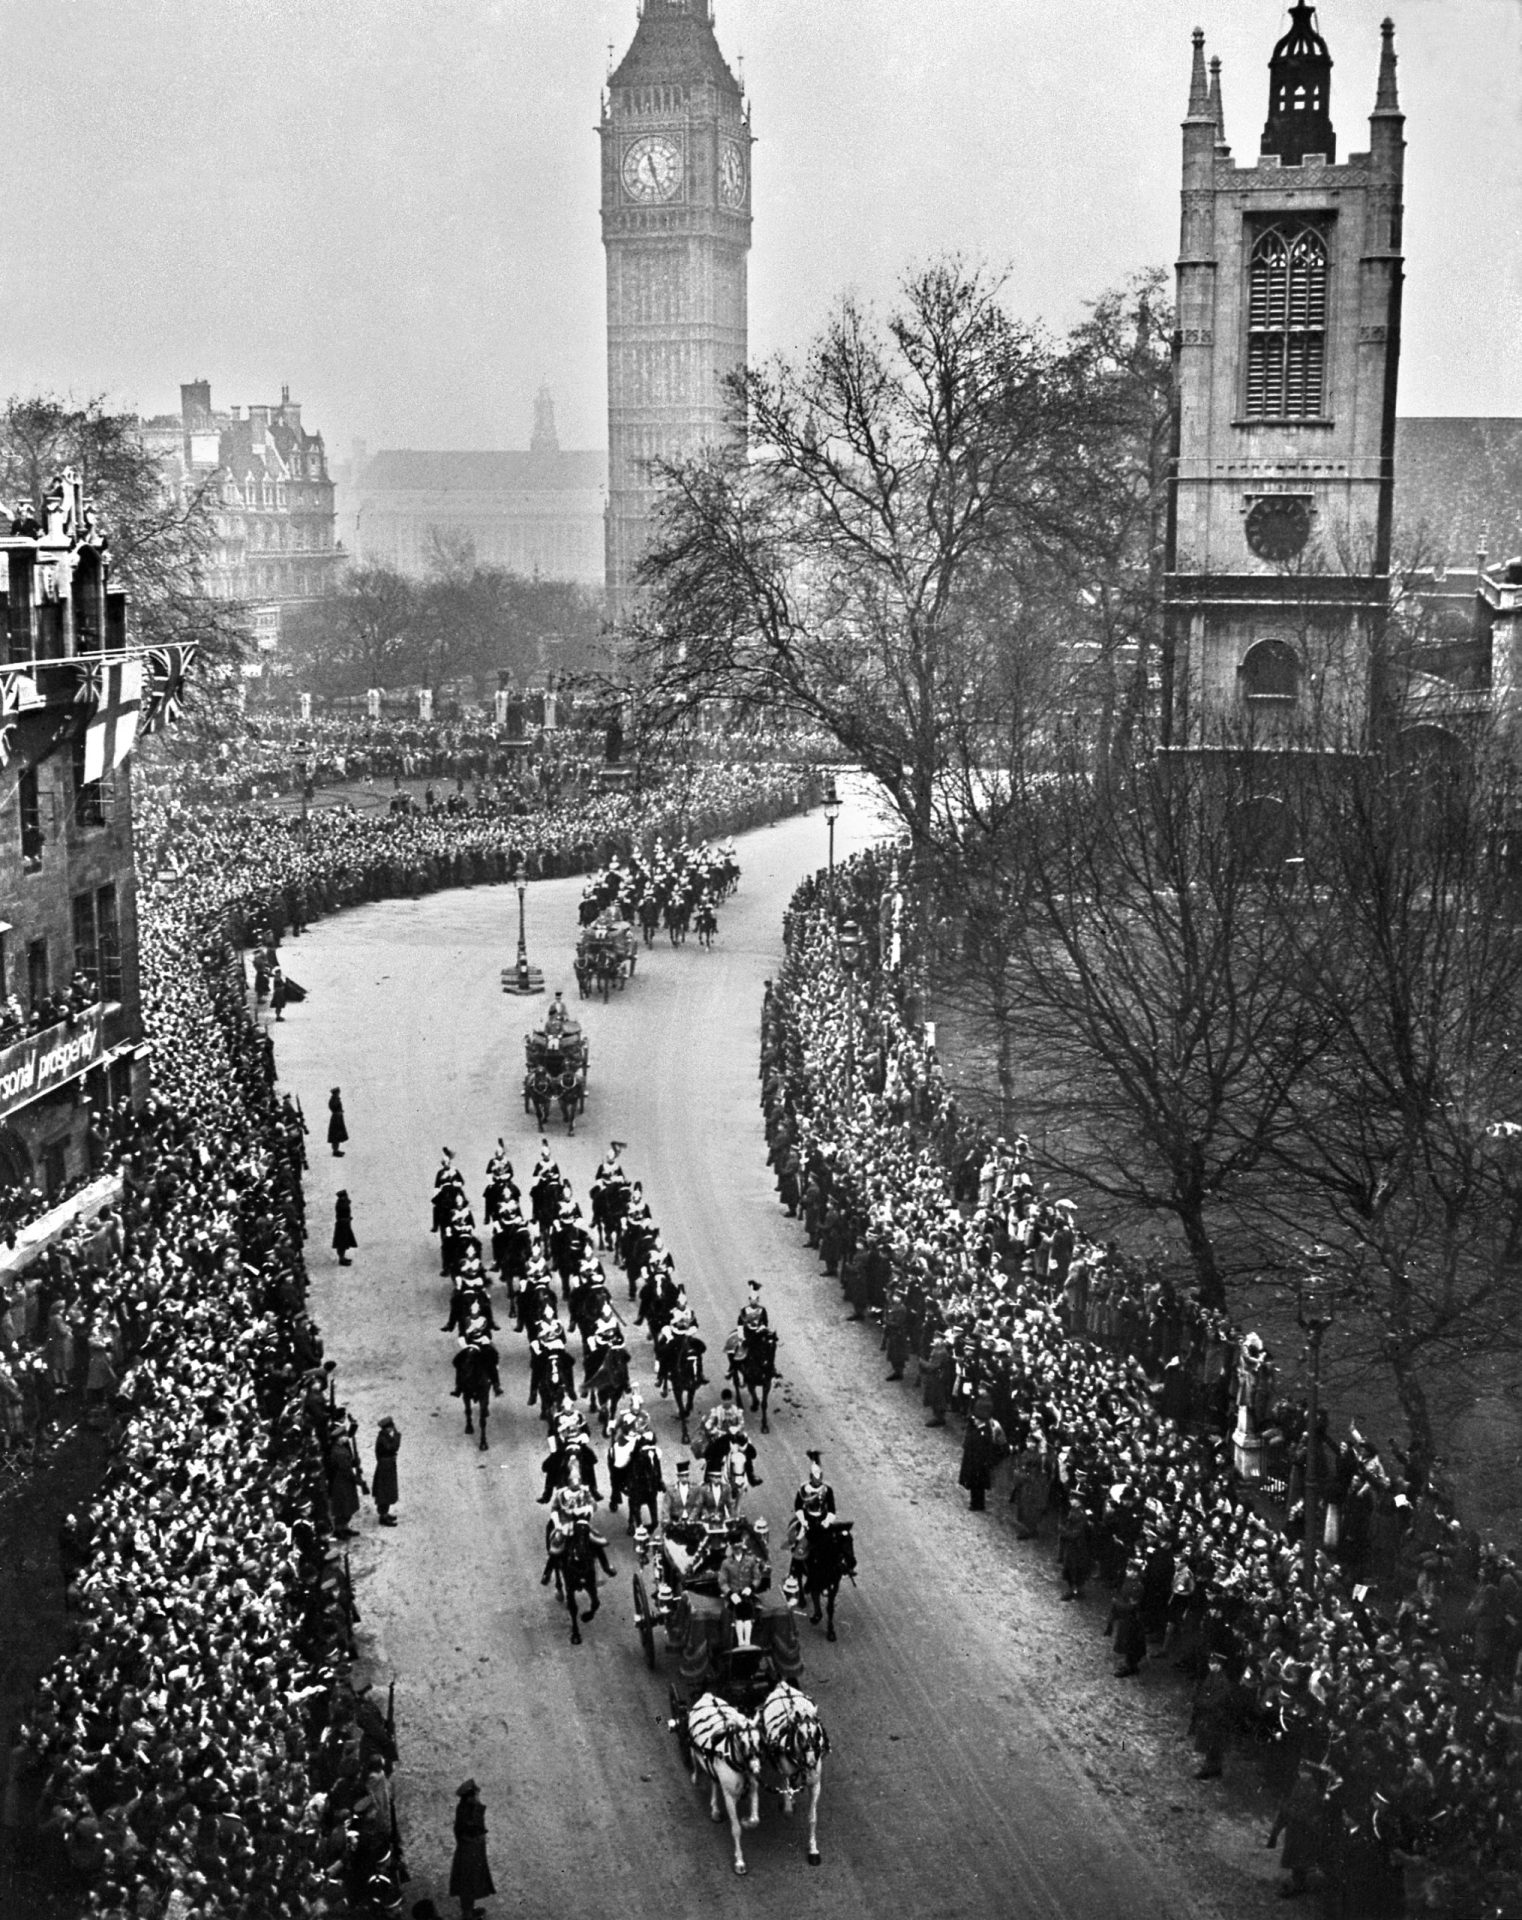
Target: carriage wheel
644,1619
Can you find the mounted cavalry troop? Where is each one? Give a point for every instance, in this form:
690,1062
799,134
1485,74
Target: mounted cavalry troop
703,1564
679,889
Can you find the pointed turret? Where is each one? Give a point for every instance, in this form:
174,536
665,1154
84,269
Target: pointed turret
1199,92
1386,99
1217,110
1300,93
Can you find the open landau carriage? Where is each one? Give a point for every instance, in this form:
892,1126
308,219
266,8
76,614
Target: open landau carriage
605,955
685,1601
556,1057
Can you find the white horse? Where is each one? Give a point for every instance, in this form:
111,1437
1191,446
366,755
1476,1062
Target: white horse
793,1744
726,1751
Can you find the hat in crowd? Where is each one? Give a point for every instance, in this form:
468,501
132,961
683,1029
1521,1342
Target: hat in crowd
387,1421
815,1457
760,1527
684,1466
755,1286
469,1787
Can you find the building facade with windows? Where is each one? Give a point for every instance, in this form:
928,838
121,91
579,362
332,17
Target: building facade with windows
276,526
537,513
1286,354
676,226
72,694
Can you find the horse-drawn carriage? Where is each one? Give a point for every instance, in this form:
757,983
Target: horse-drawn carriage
557,1057
676,1588
736,1708
605,956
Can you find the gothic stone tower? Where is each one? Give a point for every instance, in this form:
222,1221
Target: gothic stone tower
676,226
1289,290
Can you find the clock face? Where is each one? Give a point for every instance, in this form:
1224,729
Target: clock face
1278,526
732,176
652,167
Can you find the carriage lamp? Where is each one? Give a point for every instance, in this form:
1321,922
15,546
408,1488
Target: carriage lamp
831,815
522,978
1315,1309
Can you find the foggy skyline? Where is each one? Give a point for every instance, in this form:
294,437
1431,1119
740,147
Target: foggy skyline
394,209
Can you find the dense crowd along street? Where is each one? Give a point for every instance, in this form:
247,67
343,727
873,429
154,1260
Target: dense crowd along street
173,1760
1133,1420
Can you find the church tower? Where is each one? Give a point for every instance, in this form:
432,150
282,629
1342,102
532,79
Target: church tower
676,212
1289,292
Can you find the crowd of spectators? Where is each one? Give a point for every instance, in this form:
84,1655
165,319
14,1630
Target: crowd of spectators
1382,1672
202,1751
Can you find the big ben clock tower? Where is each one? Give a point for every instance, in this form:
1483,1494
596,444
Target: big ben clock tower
676,146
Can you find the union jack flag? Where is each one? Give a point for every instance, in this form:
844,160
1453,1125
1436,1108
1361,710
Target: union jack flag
163,695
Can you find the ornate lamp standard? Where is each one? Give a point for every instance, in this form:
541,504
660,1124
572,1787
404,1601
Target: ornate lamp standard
831,815
522,978
848,946
1315,1311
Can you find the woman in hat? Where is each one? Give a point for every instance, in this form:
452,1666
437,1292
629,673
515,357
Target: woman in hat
983,1447
469,1874
388,1444
338,1130
344,1241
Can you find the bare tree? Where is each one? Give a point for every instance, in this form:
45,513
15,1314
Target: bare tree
902,500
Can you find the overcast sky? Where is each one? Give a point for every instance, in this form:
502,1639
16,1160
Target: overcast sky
392,205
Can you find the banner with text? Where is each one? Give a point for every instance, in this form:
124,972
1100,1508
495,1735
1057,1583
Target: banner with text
43,1061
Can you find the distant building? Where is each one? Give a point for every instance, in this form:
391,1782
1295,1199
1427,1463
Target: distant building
276,541
539,512
1282,504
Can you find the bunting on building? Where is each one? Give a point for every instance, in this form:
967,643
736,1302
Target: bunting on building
163,690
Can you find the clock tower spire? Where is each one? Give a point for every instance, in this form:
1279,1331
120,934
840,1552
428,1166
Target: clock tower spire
676,217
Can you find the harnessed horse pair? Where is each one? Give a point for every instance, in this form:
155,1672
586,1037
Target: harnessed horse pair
728,1749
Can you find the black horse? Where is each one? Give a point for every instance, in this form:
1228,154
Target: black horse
539,1093
607,1382
828,1557
658,1296
681,1369
551,1379
754,1368
574,1570
678,912
649,918
610,1203
640,1482
707,925
476,1380
571,1092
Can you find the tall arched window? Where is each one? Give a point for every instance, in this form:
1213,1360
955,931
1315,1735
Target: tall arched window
1286,324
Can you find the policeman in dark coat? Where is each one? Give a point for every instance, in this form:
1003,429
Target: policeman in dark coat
469,1874
338,1130
344,1241
983,1447
383,1484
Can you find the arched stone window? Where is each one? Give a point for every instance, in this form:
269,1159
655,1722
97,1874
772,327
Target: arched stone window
1286,325
1270,674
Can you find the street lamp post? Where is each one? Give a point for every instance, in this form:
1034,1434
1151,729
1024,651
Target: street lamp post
304,778
1315,1312
831,815
849,948
522,978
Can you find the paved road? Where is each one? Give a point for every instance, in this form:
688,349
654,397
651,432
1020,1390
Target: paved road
951,1791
